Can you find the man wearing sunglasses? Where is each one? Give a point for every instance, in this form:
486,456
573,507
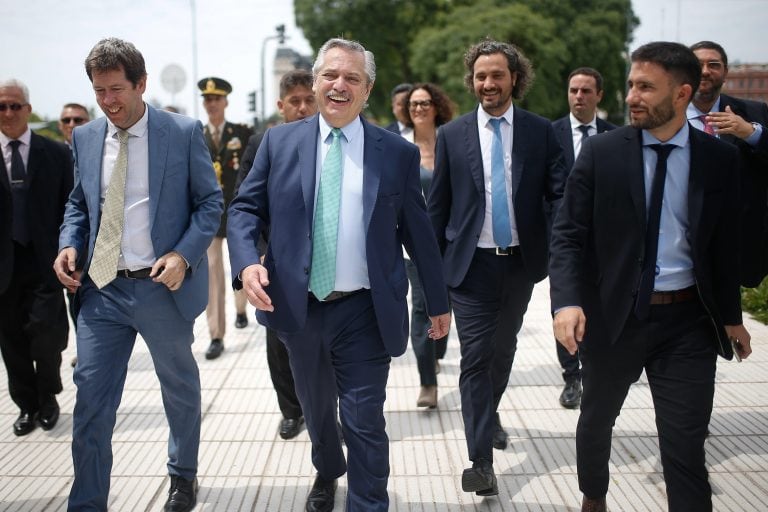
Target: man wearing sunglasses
743,123
35,181
73,114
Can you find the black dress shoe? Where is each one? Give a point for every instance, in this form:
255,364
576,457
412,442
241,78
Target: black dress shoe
321,496
215,348
593,505
182,496
241,320
290,427
49,413
570,398
25,423
480,479
500,436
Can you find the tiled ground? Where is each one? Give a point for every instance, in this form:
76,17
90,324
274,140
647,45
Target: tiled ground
245,466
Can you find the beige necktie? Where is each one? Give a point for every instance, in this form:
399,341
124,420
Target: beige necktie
216,137
106,250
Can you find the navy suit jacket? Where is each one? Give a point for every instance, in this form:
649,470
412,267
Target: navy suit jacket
456,201
599,234
49,181
564,135
185,201
279,193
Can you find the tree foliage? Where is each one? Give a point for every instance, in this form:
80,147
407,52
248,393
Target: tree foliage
426,41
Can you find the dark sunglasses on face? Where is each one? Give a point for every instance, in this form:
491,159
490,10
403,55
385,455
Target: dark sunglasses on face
13,106
76,120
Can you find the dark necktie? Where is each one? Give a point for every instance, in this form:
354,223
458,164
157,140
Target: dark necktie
648,276
19,194
584,129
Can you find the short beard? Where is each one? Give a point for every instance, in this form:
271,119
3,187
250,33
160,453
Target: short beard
657,116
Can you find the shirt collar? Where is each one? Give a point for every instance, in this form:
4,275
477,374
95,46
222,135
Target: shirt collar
680,139
139,128
350,131
25,138
694,113
484,117
575,123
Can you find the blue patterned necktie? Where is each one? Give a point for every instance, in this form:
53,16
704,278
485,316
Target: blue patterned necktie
322,278
502,230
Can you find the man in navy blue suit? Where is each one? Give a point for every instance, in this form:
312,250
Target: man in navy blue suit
327,181
495,170
585,90
144,209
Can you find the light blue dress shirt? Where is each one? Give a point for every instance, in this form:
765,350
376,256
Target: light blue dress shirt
694,115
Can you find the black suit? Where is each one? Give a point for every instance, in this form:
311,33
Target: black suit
595,262
754,251
490,293
34,327
393,127
277,355
563,131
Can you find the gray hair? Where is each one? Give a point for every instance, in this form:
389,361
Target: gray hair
352,46
12,82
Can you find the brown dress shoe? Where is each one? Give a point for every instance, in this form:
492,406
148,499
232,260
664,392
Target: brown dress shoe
593,505
427,397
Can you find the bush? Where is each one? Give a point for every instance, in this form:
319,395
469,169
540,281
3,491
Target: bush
755,301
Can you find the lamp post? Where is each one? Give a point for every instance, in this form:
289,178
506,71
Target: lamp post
280,36
195,101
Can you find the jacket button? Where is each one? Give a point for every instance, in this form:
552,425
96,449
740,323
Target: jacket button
306,270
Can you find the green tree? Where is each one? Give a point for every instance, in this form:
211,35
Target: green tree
426,41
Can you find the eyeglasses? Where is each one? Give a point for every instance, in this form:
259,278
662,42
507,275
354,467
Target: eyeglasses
425,104
76,120
715,65
13,106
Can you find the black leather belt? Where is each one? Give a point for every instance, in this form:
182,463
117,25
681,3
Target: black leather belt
142,273
512,250
336,295
675,296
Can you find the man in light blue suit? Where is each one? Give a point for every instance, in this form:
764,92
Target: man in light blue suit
133,247
341,314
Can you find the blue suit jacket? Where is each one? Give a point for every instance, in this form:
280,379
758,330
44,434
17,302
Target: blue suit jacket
185,201
279,193
456,202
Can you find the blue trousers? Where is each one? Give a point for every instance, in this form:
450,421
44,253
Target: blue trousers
108,322
339,352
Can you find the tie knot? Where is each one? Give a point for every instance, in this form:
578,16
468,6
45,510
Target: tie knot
584,129
122,135
14,144
662,150
336,132
496,122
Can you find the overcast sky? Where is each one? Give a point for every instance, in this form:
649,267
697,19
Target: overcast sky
44,42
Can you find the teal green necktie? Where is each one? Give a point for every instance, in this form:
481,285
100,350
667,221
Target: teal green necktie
325,231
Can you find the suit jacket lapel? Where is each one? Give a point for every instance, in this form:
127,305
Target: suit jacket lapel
634,155
157,139
373,152
520,142
566,141
307,150
474,155
35,157
4,176
90,157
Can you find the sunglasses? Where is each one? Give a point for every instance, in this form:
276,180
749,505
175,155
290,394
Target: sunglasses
13,106
76,120
425,104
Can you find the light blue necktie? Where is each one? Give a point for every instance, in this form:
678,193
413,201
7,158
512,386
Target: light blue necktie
502,231
322,277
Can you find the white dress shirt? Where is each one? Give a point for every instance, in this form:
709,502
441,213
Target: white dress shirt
136,250
578,136
485,130
351,262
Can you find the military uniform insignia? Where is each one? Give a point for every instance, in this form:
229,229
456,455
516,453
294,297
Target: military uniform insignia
217,170
234,144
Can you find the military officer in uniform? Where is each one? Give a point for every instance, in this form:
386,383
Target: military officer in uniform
226,141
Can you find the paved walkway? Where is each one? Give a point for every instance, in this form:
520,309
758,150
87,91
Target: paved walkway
245,466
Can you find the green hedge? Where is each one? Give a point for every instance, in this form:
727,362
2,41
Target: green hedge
755,301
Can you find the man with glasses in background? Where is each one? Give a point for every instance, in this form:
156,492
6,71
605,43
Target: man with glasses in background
72,114
35,182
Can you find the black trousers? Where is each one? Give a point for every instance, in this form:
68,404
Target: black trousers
33,332
676,348
569,363
282,378
489,306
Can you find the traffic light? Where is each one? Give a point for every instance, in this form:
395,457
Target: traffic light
280,33
252,101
